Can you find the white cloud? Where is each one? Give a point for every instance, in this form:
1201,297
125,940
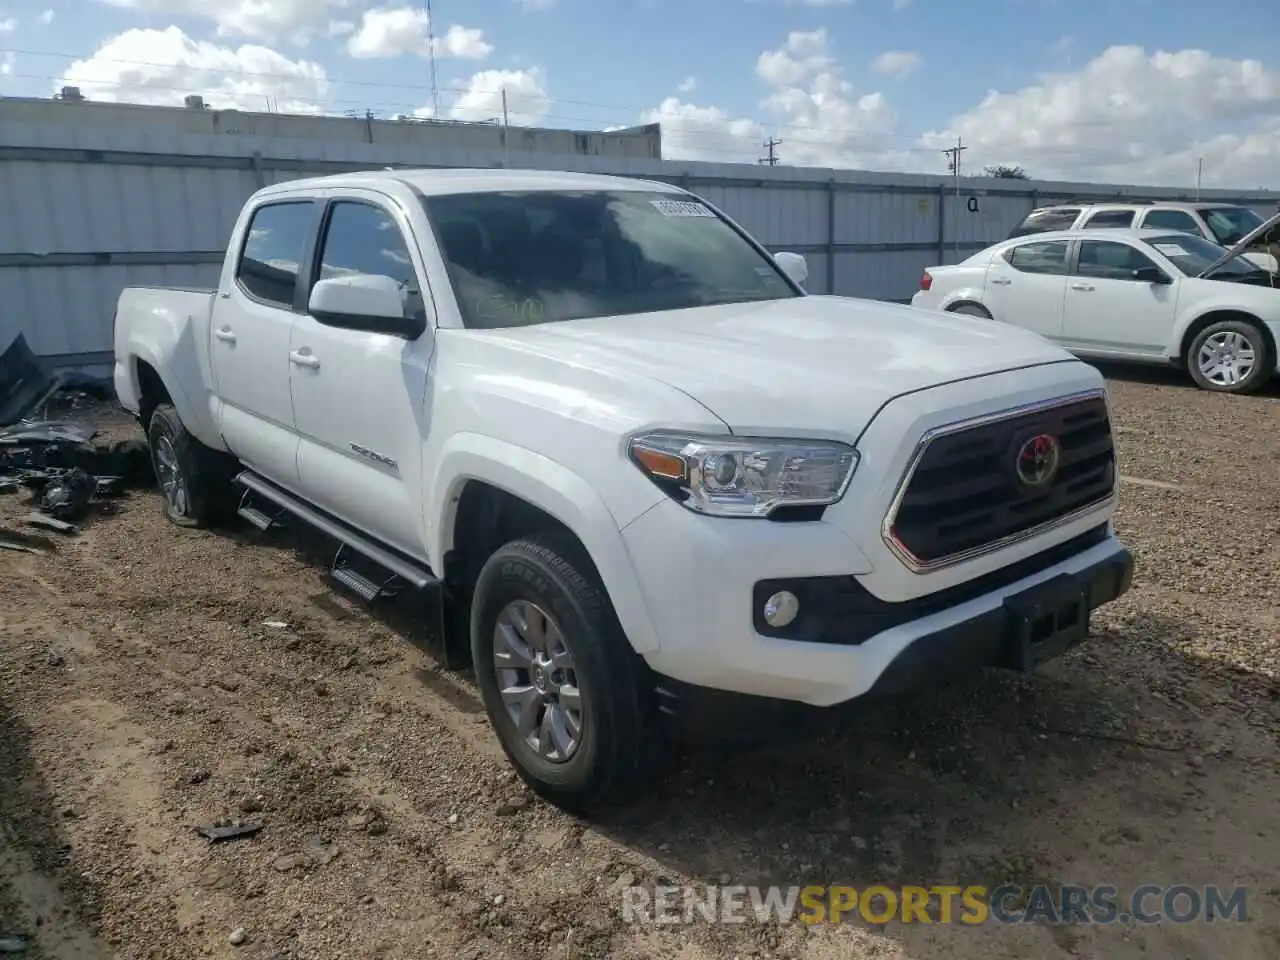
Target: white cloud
340,28
7,62
294,19
402,31
163,66
46,17
802,54
687,85
8,25
896,63
901,4
1128,116
816,112
1134,116
480,98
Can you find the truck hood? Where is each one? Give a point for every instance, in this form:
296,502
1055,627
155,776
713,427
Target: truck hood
806,366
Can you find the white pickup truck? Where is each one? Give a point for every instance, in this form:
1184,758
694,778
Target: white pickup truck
641,466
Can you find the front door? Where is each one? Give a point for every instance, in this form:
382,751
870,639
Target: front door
1108,311
360,397
1025,286
253,318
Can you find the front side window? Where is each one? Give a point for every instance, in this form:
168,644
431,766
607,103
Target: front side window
1171,220
1105,260
273,248
1229,225
1118,219
1046,256
364,239
518,258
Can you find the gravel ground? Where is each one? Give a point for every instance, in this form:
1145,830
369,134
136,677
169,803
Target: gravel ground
144,691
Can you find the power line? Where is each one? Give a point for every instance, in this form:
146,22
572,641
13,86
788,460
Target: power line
771,158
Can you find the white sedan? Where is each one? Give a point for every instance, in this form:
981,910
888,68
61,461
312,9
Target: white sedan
1144,295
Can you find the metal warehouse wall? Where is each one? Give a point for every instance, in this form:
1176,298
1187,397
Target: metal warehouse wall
88,209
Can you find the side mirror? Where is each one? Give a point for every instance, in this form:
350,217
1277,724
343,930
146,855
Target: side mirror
362,301
1151,275
794,265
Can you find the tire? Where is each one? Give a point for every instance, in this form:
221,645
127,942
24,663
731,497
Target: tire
617,750
972,310
1229,338
199,493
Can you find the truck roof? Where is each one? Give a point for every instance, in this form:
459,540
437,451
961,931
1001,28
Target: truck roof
474,180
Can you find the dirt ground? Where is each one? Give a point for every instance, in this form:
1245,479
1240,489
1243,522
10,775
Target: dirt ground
154,679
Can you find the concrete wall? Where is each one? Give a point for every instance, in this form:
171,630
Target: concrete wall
88,208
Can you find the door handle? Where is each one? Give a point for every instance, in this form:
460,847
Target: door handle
301,359
1001,281
225,333
1082,286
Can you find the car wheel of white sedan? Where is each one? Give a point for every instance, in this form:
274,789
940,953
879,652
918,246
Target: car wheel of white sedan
1230,356
972,310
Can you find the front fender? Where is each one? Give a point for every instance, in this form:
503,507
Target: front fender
555,490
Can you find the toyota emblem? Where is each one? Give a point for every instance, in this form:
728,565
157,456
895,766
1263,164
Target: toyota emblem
1038,459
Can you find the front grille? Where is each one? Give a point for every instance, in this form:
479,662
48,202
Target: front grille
964,493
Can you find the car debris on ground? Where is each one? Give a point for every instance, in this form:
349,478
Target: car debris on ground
58,456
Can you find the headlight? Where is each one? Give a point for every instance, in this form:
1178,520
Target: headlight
745,476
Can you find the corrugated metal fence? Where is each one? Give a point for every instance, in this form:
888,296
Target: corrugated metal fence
87,211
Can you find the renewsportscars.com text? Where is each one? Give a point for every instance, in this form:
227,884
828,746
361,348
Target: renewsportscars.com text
944,904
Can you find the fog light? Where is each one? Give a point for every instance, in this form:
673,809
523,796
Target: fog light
781,608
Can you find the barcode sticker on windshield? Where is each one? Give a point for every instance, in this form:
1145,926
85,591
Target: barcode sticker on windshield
681,208
1170,249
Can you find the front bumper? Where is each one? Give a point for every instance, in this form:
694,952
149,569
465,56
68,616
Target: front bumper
700,592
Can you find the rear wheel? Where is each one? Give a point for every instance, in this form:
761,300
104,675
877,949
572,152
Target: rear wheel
194,480
1230,356
972,310
564,691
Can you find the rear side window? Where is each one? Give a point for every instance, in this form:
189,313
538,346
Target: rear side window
1171,220
276,242
1119,219
1043,221
1048,256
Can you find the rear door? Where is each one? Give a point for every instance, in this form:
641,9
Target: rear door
1026,283
253,317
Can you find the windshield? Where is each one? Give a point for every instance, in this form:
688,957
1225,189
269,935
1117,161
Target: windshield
1193,255
1230,225
544,256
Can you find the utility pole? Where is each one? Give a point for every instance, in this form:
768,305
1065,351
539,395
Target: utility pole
506,156
431,52
953,163
772,158
1199,176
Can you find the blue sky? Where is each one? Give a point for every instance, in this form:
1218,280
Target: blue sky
696,66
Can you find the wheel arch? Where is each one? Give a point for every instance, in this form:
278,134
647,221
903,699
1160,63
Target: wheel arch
1194,328
491,491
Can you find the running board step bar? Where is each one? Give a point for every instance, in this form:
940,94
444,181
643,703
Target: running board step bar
400,568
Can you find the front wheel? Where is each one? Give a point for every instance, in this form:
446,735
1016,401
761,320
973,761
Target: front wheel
972,310
1230,356
563,688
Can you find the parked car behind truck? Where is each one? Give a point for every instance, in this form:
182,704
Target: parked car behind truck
638,462
1146,296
